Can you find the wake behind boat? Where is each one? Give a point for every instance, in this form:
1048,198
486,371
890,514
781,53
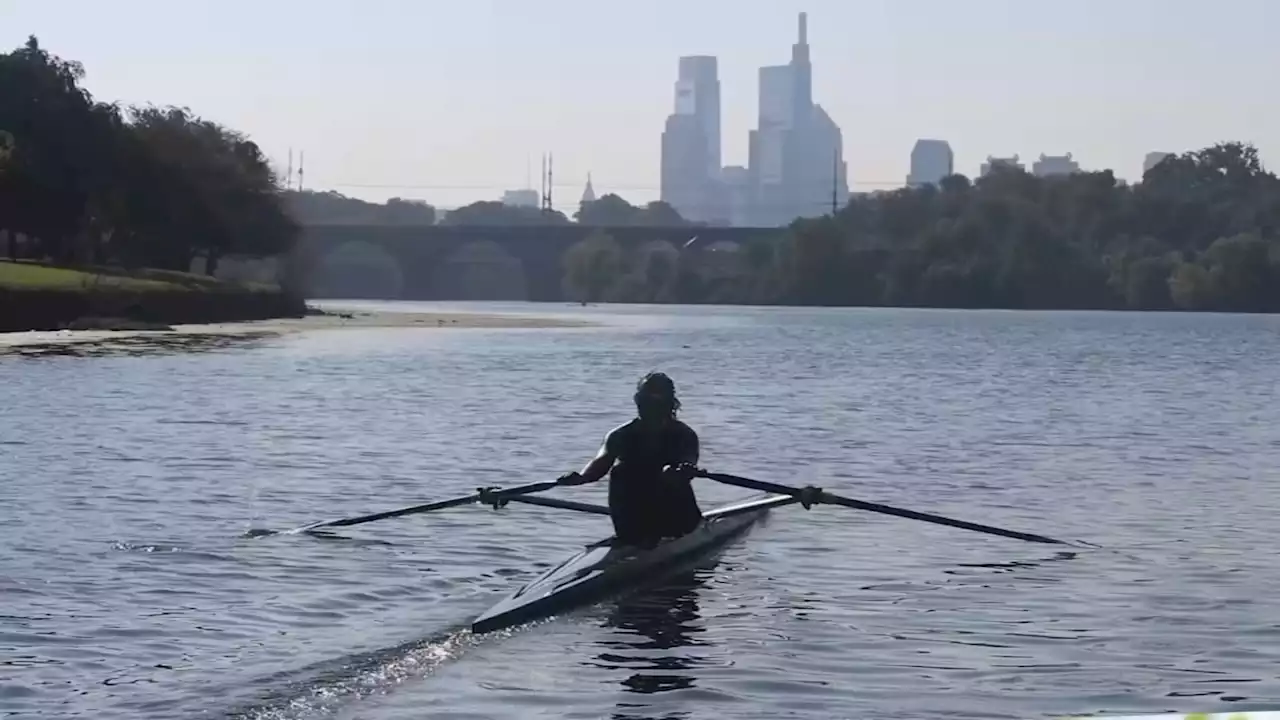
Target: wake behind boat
606,568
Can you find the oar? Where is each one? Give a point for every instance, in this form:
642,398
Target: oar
495,495
814,495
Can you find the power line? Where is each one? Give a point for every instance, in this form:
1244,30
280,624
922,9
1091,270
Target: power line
819,206
564,184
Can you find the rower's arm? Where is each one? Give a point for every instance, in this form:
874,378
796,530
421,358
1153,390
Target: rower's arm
601,463
690,448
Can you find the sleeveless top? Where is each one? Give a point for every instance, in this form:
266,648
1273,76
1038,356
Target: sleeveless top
641,454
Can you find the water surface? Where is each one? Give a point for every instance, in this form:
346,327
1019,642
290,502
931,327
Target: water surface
129,479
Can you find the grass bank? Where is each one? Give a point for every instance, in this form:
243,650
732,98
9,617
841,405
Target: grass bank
35,296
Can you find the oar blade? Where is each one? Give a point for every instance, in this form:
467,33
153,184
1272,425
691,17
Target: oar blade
428,507
493,493
936,519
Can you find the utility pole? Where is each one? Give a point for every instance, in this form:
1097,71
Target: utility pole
835,182
546,198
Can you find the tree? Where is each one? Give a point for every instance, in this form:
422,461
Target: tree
659,269
409,212
1147,284
612,211
1241,273
1084,240
310,207
661,214
86,181
219,191
592,266
1190,287
44,190
492,212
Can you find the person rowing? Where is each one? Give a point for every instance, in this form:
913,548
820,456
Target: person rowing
650,462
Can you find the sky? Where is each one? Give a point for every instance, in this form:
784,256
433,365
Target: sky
456,101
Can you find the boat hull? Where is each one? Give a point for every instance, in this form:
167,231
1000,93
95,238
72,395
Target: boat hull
603,569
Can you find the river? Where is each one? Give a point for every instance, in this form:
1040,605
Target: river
130,585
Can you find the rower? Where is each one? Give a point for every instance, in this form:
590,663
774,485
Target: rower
653,460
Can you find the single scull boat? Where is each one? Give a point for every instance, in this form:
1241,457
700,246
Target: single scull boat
603,569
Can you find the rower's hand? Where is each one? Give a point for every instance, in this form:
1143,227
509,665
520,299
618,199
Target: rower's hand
573,478
683,472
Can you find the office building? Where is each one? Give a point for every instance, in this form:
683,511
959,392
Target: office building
691,143
1009,162
1153,159
520,198
931,160
796,163
1049,165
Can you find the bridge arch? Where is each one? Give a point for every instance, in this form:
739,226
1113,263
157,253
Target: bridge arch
358,269
481,270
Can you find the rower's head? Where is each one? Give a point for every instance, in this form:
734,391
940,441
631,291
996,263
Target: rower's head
656,397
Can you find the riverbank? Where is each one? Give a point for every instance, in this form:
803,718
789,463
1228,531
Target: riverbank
39,297
216,335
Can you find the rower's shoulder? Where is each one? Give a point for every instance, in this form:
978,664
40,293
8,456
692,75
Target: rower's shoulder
625,427
685,429
621,431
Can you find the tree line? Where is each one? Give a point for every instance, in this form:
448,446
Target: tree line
332,208
83,181
1201,231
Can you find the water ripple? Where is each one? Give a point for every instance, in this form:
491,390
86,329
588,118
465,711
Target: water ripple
138,579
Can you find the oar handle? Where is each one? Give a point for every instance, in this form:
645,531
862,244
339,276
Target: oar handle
829,498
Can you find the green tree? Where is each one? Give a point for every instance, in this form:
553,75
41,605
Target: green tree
612,211
219,193
592,266
1242,277
492,212
88,182
1147,284
312,207
1190,287
659,267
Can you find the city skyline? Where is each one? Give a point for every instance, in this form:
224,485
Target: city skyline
795,165
381,101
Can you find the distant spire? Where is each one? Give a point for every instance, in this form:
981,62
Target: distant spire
804,28
589,192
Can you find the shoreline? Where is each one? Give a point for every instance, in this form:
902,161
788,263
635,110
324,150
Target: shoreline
28,342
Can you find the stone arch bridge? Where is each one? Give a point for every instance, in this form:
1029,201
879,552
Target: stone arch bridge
458,262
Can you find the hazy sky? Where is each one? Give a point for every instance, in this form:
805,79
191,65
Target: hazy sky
452,101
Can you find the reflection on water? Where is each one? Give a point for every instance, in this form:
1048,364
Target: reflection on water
653,626
158,343
1012,565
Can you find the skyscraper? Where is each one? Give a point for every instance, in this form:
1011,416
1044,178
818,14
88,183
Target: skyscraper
684,169
801,68
931,160
698,94
1153,159
691,143
796,161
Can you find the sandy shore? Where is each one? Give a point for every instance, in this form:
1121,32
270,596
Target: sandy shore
333,319
31,343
